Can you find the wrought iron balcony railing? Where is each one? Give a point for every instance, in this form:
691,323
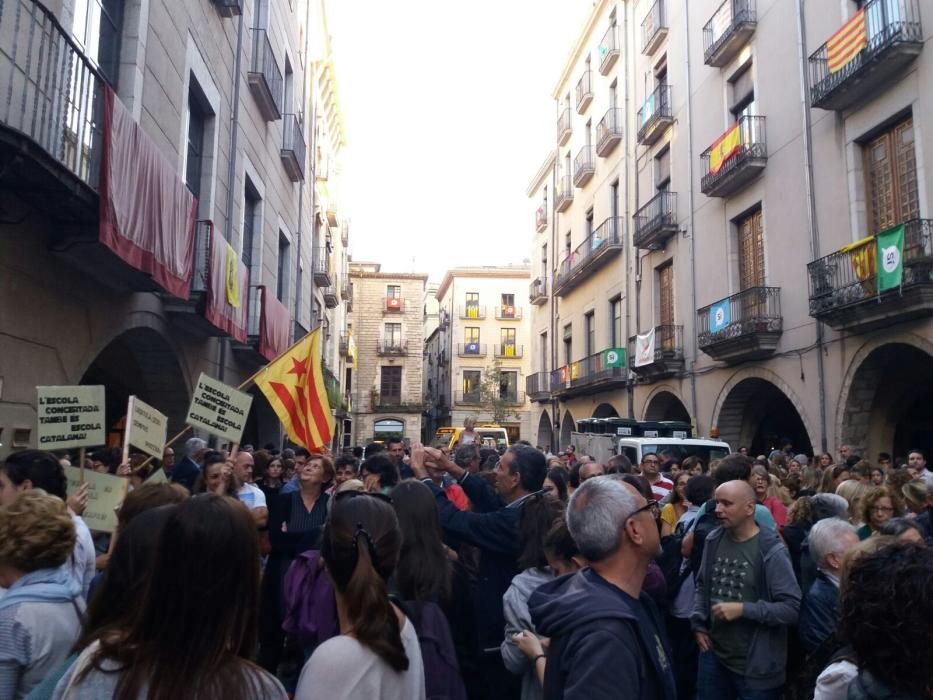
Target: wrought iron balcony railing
743,326
609,50
563,127
595,249
656,221
584,91
653,28
608,132
293,147
728,30
265,77
736,158
655,115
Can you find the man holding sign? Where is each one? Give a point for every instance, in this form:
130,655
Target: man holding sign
35,469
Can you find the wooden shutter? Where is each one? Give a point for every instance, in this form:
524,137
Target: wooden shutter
391,383
891,177
666,297
751,252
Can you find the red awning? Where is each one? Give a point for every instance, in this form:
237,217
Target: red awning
274,320
147,214
219,310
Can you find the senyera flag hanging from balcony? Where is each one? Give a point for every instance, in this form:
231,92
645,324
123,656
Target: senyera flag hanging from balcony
846,43
147,214
726,147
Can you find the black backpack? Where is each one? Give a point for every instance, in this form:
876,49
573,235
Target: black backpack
671,561
703,525
442,678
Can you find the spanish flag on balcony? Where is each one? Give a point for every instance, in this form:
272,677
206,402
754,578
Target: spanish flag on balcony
294,386
725,148
845,44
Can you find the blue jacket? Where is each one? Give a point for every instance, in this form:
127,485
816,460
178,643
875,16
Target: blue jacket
186,472
819,613
496,535
775,610
600,648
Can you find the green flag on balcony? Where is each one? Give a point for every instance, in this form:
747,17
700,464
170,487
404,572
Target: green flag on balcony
890,247
614,357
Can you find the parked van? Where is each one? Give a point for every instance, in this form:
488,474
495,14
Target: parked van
490,435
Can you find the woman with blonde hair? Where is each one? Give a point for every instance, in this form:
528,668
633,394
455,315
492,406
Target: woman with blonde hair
853,491
40,616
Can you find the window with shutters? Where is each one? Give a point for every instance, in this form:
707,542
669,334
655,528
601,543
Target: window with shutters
589,334
665,276
393,291
742,93
543,359
393,335
568,343
471,384
507,336
662,170
751,251
615,317
470,335
390,388
891,177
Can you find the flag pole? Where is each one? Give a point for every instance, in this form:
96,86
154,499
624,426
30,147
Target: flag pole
249,380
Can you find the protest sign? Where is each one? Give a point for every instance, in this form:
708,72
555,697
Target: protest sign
145,429
219,409
105,493
70,416
158,477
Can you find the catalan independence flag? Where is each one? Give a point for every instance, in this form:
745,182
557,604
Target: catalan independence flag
725,148
846,43
294,386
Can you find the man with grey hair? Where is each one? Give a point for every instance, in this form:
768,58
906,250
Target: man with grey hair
830,539
602,627
186,472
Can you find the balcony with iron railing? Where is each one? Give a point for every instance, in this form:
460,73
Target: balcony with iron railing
330,296
391,346
471,350
473,312
844,285
537,291
320,266
265,77
608,132
584,166
563,198
541,218
655,116
584,91
512,397
890,36
345,344
508,313
331,207
667,358
209,310
744,326
596,250
229,8
267,329
393,403
653,28
609,50
508,351
656,221
394,305
538,386
728,30
735,159
346,293
564,127
598,372
293,147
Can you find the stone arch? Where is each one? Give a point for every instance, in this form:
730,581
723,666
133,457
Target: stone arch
567,426
665,404
545,431
140,361
605,410
886,400
756,409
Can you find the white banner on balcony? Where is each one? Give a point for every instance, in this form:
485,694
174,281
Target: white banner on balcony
644,349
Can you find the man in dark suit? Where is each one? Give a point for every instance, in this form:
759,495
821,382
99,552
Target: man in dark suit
186,472
492,527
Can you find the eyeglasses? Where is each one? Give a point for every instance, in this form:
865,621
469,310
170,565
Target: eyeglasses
882,509
650,506
344,495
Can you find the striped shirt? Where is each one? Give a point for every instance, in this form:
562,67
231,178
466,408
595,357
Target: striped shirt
300,519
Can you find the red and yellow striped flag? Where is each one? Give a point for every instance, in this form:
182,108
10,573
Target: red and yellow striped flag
294,386
725,147
846,44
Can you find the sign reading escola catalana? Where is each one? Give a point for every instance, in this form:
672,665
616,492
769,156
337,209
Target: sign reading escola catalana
70,416
146,428
219,409
105,493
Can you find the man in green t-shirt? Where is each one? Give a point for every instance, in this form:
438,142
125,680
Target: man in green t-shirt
746,598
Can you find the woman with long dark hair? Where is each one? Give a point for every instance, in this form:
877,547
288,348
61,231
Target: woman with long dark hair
674,509
195,627
555,483
376,654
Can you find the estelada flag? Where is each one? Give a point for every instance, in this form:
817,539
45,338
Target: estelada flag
847,43
294,386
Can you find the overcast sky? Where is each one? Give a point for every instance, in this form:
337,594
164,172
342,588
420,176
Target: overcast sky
448,115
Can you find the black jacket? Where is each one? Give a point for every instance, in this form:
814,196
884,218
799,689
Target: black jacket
186,472
497,536
599,646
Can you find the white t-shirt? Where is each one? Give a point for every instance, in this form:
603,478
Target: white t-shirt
83,560
252,496
343,669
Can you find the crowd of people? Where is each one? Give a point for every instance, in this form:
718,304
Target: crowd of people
408,571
